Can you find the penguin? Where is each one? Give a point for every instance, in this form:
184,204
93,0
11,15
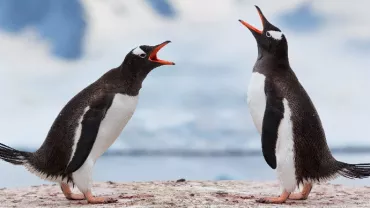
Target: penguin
292,136
88,125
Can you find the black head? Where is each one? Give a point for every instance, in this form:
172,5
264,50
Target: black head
270,40
142,59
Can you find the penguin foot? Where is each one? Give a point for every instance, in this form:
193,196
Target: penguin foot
298,196
68,193
98,200
75,196
302,195
271,200
101,200
274,200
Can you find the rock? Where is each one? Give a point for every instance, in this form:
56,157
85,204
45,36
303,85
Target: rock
192,193
181,180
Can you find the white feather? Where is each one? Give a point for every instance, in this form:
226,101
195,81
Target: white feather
83,176
257,99
76,138
285,151
285,144
137,51
277,35
77,134
116,118
43,176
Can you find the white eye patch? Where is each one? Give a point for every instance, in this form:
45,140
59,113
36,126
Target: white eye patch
277,35
139,52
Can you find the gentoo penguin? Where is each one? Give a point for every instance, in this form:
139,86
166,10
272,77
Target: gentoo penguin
293,139
88,125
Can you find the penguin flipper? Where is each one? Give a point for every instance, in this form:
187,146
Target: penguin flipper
89,131
274,113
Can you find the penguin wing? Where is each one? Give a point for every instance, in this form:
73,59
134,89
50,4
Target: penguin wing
89,130
274,112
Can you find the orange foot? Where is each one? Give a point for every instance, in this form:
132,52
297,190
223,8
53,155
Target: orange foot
68,193
75,196
275,200
98,200
302,195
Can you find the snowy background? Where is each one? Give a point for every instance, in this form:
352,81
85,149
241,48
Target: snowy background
50,50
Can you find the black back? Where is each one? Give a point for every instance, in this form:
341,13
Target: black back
52,158
313,159
54,154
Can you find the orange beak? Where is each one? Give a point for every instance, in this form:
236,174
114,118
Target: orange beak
153,55
253,28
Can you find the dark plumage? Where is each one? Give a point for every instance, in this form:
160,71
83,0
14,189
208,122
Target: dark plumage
88,109
313,160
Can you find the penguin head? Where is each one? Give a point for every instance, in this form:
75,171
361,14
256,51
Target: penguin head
143,59
271,40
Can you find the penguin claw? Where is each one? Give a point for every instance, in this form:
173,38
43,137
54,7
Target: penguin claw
68,193
75,196
298,196
303,195
272,200
261,200
110,200
101,200
98,200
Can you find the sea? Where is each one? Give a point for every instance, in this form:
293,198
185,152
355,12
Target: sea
162,168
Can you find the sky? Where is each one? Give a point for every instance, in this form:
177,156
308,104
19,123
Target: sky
200,103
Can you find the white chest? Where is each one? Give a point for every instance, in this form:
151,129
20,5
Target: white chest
116,118
285,144
256,99
285,151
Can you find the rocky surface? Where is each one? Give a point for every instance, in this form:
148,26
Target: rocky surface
184,193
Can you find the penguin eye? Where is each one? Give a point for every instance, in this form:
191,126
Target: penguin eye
142,55
268,34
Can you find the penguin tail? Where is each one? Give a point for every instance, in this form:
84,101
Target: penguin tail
353,171
13,156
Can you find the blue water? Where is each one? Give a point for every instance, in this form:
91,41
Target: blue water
123,169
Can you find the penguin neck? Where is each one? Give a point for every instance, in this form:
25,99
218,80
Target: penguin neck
122,80
281,58
131,79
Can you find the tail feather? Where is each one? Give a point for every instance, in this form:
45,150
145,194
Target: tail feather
13,156
352,171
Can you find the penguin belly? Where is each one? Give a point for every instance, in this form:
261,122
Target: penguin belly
284,151
256,99
116,118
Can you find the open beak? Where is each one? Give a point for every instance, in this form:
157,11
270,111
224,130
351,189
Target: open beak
153,54
253,29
